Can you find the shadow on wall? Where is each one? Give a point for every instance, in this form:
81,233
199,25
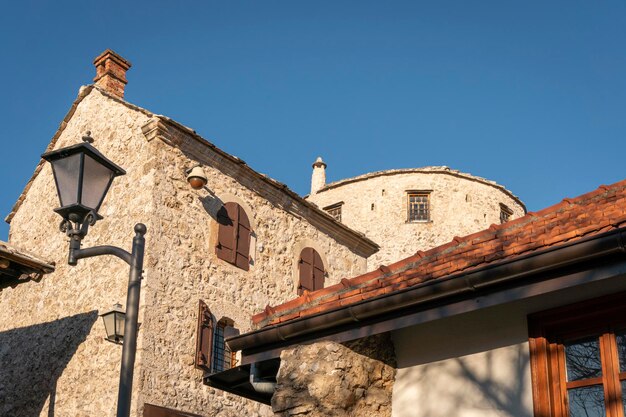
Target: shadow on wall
475,364
494,383
33,358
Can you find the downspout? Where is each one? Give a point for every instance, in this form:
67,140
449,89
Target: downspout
263,387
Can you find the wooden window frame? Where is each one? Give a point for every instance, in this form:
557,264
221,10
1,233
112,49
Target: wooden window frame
505,213
550,330
210,342
334,210
410,218
311,271
234,235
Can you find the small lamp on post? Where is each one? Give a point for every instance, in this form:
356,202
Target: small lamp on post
83,176
114,324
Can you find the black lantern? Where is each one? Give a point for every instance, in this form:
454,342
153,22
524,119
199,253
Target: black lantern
82,176
114,324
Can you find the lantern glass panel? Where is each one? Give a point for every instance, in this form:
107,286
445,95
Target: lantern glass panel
119,324
109,324
96,181
66,175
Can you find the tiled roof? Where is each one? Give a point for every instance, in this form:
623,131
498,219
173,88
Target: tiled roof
18,263
593,213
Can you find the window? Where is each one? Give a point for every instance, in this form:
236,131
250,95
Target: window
334,210
505,213
418,206
233,242
578,359
212,352
311,271
223,358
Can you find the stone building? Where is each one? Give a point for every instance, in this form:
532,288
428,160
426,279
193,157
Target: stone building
237,244
406,210
54,358
524,318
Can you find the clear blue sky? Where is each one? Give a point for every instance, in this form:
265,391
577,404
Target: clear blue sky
530,94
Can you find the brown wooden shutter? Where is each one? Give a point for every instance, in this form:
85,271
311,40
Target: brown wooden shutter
204,338
318,271
227,234
242,259
306,270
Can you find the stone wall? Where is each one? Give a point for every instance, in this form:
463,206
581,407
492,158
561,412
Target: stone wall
376,205
82,379
188,269
328,379
180,268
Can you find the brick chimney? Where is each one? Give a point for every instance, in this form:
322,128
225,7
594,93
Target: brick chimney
111,72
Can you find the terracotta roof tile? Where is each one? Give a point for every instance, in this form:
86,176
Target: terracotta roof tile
598,211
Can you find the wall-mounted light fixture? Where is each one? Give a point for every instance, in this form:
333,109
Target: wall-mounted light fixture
114,324
196,177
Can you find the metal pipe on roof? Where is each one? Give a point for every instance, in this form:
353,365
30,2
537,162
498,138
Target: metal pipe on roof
367,311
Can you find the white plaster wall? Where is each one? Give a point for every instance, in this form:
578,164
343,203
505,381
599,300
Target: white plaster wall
458,206
474,365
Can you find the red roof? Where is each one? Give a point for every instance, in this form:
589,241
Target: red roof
596,212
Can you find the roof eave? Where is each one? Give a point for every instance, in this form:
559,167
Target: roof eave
272,339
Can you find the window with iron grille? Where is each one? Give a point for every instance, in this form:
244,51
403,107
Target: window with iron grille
223,358
505,213
334,210
212,352
418,206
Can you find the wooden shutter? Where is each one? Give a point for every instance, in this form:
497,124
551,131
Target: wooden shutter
227,234
311,271
242,256
318,271
204,338
233,242
306,270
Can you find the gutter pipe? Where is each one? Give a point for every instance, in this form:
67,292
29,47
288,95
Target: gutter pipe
366,311
263,387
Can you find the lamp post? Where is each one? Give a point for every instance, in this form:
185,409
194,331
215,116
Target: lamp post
83,176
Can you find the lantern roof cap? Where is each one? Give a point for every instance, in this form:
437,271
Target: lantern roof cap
87,149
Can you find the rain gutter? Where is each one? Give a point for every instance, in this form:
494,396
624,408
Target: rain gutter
495,277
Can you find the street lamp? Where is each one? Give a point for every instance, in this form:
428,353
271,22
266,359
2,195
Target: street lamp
114,324
83,176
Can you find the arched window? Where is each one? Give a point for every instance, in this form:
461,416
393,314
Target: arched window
223,358
233,241
212,352
311,271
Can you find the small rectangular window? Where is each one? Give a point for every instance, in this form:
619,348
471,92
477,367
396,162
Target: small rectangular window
418,206
334,210
505,213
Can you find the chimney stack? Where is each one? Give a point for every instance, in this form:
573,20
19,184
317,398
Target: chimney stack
111,73
318,179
